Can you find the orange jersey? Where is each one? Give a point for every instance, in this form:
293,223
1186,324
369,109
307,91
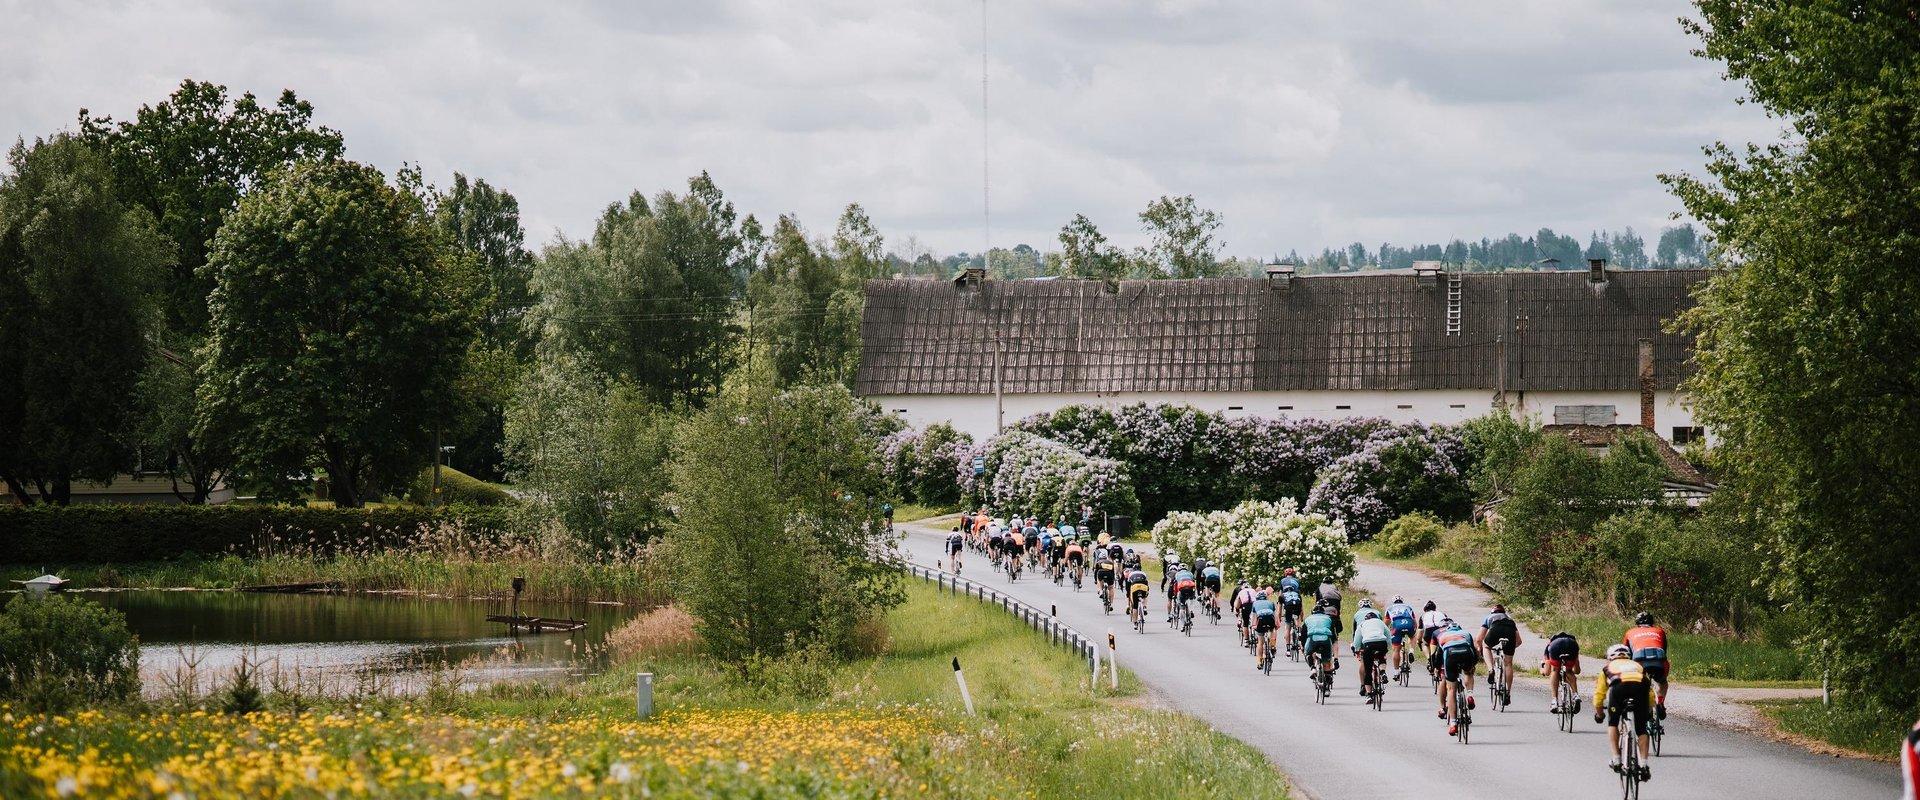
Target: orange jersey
1645,637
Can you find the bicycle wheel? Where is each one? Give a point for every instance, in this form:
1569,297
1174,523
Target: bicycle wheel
1657,733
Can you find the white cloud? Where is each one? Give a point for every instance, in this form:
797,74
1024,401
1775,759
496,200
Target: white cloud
1305,124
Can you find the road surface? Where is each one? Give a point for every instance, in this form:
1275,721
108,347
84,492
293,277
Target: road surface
1345,749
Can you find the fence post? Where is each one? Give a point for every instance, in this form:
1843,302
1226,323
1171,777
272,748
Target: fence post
643,694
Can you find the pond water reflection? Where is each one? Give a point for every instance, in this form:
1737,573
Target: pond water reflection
346,642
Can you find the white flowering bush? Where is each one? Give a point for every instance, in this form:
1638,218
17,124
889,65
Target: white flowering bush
1258,540
1029,474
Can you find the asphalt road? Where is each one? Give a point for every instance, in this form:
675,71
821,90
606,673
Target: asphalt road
1345,749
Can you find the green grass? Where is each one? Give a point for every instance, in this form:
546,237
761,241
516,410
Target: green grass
1696,657
914,512
1041,731
1860,727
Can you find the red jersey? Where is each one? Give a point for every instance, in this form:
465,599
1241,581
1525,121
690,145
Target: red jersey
1648,639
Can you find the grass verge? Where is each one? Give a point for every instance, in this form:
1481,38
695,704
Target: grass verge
887,725
914,512
1860,728
1697,658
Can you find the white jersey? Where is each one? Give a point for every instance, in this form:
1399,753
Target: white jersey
1431,619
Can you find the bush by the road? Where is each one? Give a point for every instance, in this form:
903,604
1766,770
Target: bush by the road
121,534
1410,535
1392,475
1258,541
457,488
924,466
61,652
1029,474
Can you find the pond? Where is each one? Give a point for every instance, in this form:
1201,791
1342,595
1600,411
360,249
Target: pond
344,643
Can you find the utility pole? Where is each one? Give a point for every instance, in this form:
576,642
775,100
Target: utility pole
1500,369
436,465
999,403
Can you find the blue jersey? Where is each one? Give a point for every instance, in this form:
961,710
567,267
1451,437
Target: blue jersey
1290,584
1398,612
1264,608
1210,572
1319,627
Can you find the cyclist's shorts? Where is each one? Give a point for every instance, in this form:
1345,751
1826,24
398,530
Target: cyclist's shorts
1505,646
1138,590
1427,634
953,547
1211,582
1292,610
1184,593
1075,557
1569,664
1103,575
1457,661
1402,624
1401,636
1377,651
1656,670
1320,647
1630,701
1265,624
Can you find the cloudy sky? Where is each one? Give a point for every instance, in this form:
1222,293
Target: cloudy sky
1305,124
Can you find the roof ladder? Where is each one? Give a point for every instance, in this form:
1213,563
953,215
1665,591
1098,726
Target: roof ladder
1453,304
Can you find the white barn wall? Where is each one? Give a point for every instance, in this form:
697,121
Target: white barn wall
975,414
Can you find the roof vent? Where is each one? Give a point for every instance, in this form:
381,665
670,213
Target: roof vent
971,276
1596,270
1427,273
1279,275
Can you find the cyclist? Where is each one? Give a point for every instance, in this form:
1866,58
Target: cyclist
1455,649
1103,575
1431,621
1263,612
1620,689
954,542
1210,581
1290,605
1243,609
1370,639
996,544
1648,643
1137,588
1046,546
1183,586
887,510
1561,664
1131,560
1401,619
1499,626
1058,548
1319,630
1076,559
1329,596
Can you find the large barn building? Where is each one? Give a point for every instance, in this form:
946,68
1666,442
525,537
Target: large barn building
1587,347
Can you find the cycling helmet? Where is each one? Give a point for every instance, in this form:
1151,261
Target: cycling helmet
1289,570
1499,609
1241,582
1366,602
1173,557
1129,551
1397,600
1643,618
1618,651
1260,595
1446,620
1429,606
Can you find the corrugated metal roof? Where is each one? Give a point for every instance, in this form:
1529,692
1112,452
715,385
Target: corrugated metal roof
1353,331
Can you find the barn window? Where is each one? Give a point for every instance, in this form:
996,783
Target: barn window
1343,408
1284,408
1233,408
1458,405
1404,407
1583,415
1688,434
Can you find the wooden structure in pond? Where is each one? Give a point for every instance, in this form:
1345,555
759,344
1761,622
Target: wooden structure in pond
538,624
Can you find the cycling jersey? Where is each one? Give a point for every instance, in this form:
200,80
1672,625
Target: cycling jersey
1371,630
1319,627
1019,539
1563,650
1074,553
1244,597
1067,531
1264,608
1210,573
953,543
1400,617
1498,627
1290,598
1455,640
1329,593
1649,643
1622,688
1290,584
1363,614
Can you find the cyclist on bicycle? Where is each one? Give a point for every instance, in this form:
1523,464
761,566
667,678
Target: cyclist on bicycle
1329,596
1075,554
1319,630
1182,588
1456,650
1131,560
954,542
1137,588
1243,609
1431,622
1401,619
1263,612
1622,688
1290,604
1370,639
1648,643
1561,664
1497,627
1057,547
1210,581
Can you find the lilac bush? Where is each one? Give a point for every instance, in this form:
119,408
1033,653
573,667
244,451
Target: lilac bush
1392,473
922,465
1258,541
1029,474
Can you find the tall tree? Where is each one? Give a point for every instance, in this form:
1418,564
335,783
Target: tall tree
858,249
483,224
810,314
1679,246
76,267
1808,335
649,299
190,158
1085,254
338,332
1183,239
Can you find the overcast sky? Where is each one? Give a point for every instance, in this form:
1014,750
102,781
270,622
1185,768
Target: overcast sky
1305,124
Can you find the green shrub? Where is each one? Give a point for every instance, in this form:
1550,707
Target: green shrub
457,488
1410,535
60,652
122,534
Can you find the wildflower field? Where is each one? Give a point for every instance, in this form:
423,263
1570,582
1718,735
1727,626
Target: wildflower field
890,725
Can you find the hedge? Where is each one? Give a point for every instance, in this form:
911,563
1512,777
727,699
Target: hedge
459,489
119,534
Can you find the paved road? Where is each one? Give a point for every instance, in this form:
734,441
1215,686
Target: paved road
1347,750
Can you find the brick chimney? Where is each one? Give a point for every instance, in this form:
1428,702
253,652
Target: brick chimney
1646,385
1596,270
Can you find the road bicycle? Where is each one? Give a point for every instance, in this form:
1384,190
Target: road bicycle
1567,699
1182,617
1013,569
1496,674
1629,760
1294,634
1462,719
1322,681
1139,613
1106,598
1377,685
1079,575
1265,649
1403,672
1655,732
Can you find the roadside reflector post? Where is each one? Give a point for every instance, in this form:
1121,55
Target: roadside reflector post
1055,609
1113,659
1093,683
643,694
961,677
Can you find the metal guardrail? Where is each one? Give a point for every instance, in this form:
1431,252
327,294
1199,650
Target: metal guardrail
1058,633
